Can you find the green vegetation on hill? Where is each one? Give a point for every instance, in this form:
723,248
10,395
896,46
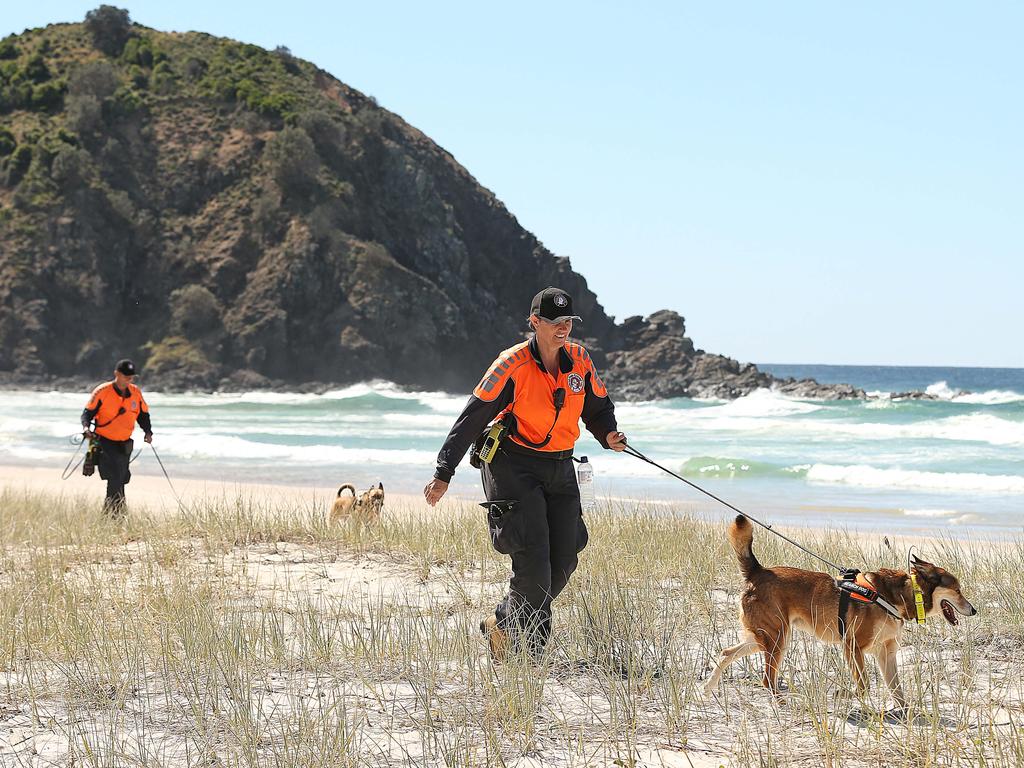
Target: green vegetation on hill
146,176
134,163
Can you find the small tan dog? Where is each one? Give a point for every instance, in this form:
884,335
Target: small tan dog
363,509
779,599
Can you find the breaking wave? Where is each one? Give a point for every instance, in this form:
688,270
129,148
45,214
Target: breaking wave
943,391
864,476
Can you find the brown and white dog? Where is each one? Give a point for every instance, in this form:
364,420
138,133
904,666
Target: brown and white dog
778,600
363,509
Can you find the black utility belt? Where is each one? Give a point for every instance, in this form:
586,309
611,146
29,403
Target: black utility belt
117,443
508,446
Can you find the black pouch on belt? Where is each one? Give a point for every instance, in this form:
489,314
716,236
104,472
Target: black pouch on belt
92,457
505,525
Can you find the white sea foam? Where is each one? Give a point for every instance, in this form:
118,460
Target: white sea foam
929,512
227,448
29,453
972,427
864,476
991,397
13,426
385,389
759,403
965,519
941,390
607,465
881,402
12,401
760,411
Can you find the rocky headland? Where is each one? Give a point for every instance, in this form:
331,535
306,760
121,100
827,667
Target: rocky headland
237,218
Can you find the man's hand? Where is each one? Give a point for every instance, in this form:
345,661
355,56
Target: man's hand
616,441
88,434
434,491
149,437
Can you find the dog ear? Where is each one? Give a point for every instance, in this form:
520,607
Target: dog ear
380,485
926,571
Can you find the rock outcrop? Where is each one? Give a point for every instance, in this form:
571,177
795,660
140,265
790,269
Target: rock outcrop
233,217
653,358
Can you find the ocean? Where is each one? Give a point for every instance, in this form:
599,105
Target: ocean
956,463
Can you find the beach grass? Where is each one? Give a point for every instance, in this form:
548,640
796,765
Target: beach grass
247,632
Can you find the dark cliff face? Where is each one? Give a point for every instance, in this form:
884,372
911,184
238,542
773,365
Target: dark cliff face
233,217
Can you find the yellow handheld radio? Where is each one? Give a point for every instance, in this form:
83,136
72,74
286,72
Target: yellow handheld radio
489,447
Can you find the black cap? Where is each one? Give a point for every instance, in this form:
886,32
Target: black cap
553,304
126,367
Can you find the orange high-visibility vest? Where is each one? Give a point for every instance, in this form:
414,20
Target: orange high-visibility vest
533,404
117,414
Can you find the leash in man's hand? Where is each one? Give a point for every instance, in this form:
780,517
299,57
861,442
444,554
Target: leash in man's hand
78,443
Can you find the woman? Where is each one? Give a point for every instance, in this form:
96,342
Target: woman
538,391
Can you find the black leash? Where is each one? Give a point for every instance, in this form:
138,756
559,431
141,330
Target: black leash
68,469
177,498
80,440
635,453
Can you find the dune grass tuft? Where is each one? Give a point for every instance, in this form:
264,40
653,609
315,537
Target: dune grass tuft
241,632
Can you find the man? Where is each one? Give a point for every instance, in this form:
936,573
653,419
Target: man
115,407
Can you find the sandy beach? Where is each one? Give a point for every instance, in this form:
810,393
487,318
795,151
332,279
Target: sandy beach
156,495
244,631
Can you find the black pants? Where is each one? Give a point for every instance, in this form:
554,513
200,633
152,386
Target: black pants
543,531
113,467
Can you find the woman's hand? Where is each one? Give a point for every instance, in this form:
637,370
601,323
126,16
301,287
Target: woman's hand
434,491
616,441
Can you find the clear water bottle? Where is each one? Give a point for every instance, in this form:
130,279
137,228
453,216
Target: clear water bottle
585,479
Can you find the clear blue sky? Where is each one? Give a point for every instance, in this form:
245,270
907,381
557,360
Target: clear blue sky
803,181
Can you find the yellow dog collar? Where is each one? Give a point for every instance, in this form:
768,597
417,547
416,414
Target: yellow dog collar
918,598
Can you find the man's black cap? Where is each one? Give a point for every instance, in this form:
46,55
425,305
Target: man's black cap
553,304
126,367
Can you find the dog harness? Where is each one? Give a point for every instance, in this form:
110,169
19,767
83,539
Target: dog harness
854,586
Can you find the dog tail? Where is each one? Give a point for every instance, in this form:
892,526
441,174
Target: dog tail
349,486
741,536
